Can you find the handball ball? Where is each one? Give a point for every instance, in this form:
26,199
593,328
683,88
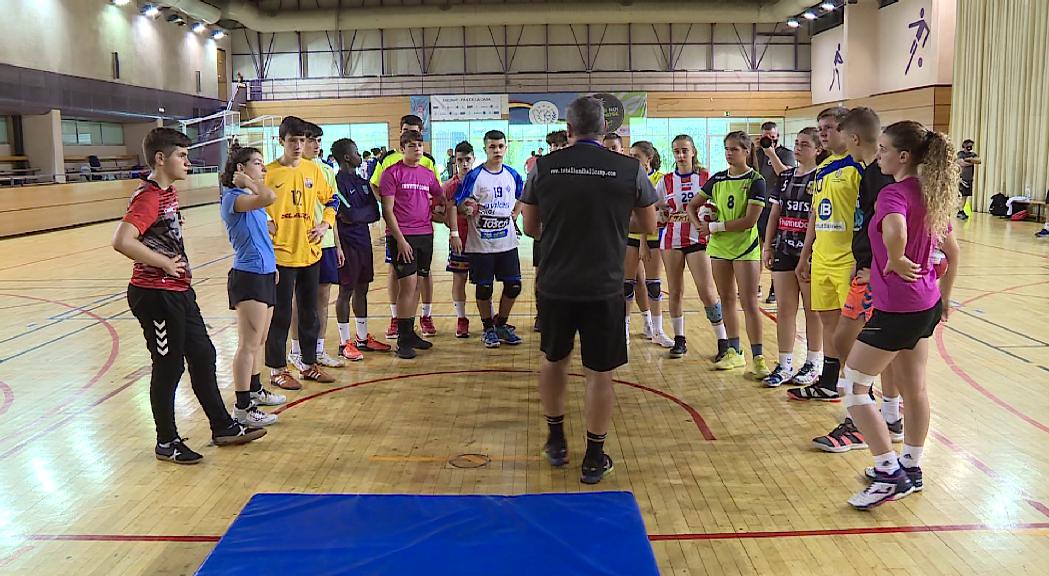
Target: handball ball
437,210
708,213
471,206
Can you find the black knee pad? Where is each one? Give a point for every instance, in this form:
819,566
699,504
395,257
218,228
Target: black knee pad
484,291
628,289
654,288
512,289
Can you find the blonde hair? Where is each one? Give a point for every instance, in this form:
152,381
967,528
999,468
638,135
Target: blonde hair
696,166
933,155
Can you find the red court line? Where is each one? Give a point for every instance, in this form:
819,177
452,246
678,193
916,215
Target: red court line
697,419
9,397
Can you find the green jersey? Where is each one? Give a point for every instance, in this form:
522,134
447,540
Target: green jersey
732,195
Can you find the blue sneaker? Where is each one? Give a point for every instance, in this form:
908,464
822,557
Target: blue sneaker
507,335
1043,233
491,338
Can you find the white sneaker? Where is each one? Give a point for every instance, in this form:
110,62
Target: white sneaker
296,361
663,340
253,417
647,331
266,398
328,362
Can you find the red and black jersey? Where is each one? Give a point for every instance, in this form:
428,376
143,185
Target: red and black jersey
795,200
154,212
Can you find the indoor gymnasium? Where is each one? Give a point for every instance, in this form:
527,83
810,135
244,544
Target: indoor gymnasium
519,287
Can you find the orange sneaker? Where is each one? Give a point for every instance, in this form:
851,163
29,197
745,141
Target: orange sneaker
285,381
462,328
350,352
391,332
372,345
426,326
315,373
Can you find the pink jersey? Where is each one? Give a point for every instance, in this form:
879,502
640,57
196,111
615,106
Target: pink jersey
677,191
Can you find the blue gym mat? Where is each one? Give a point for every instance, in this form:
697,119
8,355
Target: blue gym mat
598,533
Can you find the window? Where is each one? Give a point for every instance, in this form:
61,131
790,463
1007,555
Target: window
447,135
708,134
366,136
91,133
3,130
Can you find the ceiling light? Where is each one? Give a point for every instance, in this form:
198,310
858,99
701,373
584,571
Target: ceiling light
120,2
150,10
809,15
218,34
827,6
199,27
793,23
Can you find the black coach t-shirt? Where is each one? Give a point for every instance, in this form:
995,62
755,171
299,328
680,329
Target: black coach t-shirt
870,184
585,195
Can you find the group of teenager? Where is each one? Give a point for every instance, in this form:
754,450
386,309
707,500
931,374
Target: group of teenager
858,235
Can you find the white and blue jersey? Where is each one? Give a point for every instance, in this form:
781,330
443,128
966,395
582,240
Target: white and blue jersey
491,227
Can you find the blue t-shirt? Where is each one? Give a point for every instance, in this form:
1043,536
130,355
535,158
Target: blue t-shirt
357,208
248,234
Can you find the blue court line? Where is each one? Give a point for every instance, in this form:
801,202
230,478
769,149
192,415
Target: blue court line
81,329
84,308
993,347
1009,330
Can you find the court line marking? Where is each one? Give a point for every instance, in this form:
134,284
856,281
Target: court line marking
9,397
697,418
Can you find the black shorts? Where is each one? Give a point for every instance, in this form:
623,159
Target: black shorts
692,248
535,253
485,269
636,243
329,273
965,188
241,286
422,255
599,323
784,262
894,331
358,267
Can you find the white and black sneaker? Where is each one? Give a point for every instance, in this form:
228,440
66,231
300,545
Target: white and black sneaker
778,377
176,451
915,474
883,488
808,374
266,398
253,417
237,433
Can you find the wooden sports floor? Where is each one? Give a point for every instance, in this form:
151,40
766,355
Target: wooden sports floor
721,467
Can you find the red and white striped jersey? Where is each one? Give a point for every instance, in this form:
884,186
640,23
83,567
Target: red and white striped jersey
678,190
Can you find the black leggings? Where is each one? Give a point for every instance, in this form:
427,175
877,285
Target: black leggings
303,283
175,332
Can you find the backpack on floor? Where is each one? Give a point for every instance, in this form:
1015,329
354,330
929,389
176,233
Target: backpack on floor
999,206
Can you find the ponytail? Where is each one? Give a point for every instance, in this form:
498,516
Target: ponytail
237,156
933,155
646,148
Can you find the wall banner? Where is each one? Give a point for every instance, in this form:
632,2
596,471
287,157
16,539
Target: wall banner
549,108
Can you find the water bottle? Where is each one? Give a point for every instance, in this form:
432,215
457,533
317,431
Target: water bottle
1027,191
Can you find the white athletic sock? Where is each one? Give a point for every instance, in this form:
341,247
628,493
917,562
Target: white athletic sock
460,309
320,345
815,357
295,347
786,361
427,309
393,311
887,462
626,327
657,323
362,329
719,331
679,325
344,332
647,315
275,371
911,455
890,409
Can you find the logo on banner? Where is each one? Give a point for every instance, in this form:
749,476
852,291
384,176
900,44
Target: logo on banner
836,78
922,31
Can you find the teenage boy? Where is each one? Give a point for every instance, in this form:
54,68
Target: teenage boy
409,123
165,305
299,185
488,197
406,189
459,264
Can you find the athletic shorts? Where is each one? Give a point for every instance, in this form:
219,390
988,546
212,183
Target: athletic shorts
485,269
965,188
654,240
329,266
784,262
893,331
859,302
830,288
422,255
692,248
242,286
599,324
458,263
358,268
389,255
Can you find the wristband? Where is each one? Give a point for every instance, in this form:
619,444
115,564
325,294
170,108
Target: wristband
454,234
716,227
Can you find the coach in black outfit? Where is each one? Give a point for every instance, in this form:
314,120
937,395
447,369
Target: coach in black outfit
581,199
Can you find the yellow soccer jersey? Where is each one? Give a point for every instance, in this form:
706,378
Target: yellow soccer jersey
835,190
395,157
655,176
329,176
299,189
